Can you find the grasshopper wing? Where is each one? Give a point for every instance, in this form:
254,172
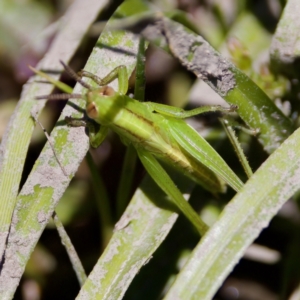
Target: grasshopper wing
197,147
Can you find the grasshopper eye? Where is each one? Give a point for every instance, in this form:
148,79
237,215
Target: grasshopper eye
92,110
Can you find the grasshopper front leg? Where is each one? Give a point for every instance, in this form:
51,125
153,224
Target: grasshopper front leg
97,133
119,72
163,180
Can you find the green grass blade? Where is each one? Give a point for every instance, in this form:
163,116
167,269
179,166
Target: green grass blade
73,256
240,223
163,180
18,133
103,203
46,183
237,147
127,175
140,77
149,217
57,83
143,227
195,53
128,168
285,48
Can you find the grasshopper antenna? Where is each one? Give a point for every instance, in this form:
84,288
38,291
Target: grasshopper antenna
75,76
63,96
50,143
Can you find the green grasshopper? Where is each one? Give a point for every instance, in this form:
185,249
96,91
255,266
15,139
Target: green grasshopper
157,132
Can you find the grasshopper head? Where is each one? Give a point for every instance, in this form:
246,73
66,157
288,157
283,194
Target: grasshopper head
96,94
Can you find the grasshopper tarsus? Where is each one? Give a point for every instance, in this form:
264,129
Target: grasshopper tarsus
73,122
233,108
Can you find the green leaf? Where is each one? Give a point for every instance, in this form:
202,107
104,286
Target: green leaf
18,134
240,223
195,53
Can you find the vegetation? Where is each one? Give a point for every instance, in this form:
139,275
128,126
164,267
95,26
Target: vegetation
133,249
